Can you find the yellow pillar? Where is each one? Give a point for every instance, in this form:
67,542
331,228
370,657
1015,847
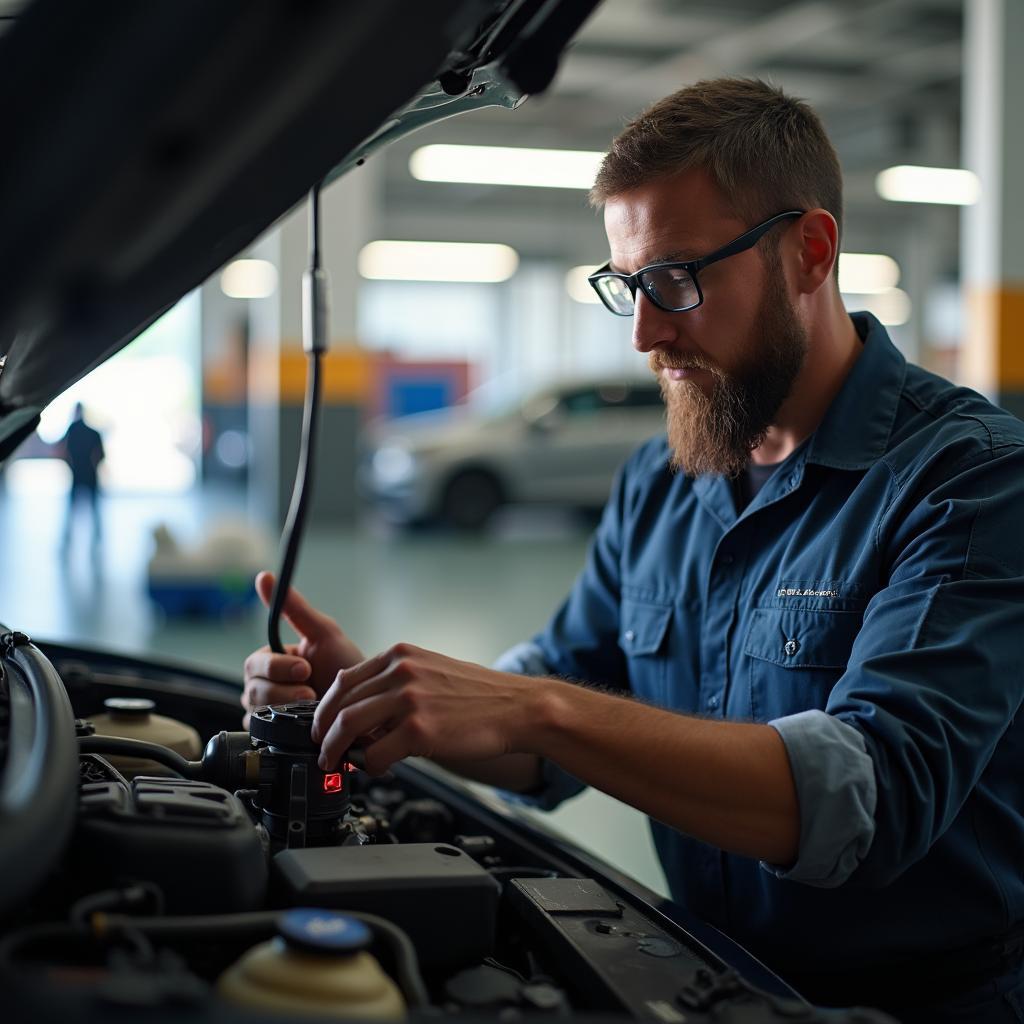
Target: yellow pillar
992,247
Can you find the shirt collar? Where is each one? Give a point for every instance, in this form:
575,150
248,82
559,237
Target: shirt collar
855,431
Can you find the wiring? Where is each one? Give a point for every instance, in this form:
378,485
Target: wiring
315,343
263,924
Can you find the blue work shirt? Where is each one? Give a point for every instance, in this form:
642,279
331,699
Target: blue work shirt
869,605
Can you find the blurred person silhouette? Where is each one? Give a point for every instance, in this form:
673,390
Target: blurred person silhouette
82,449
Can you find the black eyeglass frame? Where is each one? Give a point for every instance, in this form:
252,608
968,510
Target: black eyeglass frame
692,267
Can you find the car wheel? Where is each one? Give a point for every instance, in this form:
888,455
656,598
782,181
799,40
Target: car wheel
471,499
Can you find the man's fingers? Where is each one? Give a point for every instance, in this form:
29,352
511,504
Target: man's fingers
277,668
298,612
353,722
261,692
334,698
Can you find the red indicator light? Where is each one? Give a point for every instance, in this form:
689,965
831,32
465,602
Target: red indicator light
349,767
332,782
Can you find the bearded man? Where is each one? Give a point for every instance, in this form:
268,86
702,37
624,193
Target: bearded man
795,642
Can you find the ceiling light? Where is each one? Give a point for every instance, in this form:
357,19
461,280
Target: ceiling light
505,165
892,307
249,279
906,184
578,287
437,261
867,272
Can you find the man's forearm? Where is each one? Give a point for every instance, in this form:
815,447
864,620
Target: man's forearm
520,773
726,783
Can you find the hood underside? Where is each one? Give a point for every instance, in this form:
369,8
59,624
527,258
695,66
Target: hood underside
146,144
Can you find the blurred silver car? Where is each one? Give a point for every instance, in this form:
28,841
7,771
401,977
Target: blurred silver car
561,445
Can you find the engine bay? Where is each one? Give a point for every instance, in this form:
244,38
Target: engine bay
244,881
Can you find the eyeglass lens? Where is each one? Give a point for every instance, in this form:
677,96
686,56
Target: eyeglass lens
616,294
672,288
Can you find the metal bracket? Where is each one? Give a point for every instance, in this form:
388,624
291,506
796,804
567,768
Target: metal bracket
8,641
487,87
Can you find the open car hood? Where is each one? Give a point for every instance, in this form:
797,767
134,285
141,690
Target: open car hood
146,144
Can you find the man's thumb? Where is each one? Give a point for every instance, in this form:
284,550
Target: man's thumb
298,612
265,587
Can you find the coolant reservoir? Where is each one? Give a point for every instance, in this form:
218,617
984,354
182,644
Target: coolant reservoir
133,718
318,964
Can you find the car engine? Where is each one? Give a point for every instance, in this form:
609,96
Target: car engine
245,883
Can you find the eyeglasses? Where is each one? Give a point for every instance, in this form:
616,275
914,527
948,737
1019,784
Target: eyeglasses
672,287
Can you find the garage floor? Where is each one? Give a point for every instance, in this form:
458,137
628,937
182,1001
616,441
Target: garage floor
468,598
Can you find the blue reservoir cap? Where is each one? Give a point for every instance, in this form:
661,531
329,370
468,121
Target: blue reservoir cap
323,931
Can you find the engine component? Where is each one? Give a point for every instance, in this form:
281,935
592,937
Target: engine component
484,986
614,956
318,964
300,803
445,901
423,821
134,718
153,828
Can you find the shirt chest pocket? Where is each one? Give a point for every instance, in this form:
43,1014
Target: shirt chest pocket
643,632
795,656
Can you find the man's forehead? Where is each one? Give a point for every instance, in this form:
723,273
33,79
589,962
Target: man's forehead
638,237
673,219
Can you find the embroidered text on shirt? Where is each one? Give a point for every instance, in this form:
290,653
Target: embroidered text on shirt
805,592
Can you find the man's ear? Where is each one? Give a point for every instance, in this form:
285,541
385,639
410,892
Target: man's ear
817,235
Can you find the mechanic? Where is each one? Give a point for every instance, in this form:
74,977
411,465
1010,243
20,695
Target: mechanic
795,642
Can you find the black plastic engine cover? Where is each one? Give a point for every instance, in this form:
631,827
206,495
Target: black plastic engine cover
192,839
442,898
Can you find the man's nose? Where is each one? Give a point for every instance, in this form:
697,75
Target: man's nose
652,326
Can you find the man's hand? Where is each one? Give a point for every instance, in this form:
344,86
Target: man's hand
407,701
307,668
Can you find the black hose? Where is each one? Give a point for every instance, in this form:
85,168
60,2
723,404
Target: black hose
116,745
300,501
314,340
130,897
48,934
39,778
262,925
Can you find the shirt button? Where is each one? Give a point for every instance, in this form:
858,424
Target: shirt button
712,703
728,559
629,635
791,647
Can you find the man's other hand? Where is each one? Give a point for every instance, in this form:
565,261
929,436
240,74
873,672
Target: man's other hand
307,668
408,701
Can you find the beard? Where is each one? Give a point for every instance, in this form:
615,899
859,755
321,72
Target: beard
715,431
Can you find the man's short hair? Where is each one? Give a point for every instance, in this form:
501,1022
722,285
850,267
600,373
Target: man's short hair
766,151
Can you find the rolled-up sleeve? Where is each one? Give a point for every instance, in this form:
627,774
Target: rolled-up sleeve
836,792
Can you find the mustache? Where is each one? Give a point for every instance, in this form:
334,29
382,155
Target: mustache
666,361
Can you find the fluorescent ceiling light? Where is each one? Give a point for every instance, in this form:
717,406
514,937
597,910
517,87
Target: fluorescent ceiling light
867,272
892,307
578,287
907,184
505,165
249,279
437,261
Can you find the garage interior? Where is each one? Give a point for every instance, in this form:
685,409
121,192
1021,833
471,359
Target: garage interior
894,81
